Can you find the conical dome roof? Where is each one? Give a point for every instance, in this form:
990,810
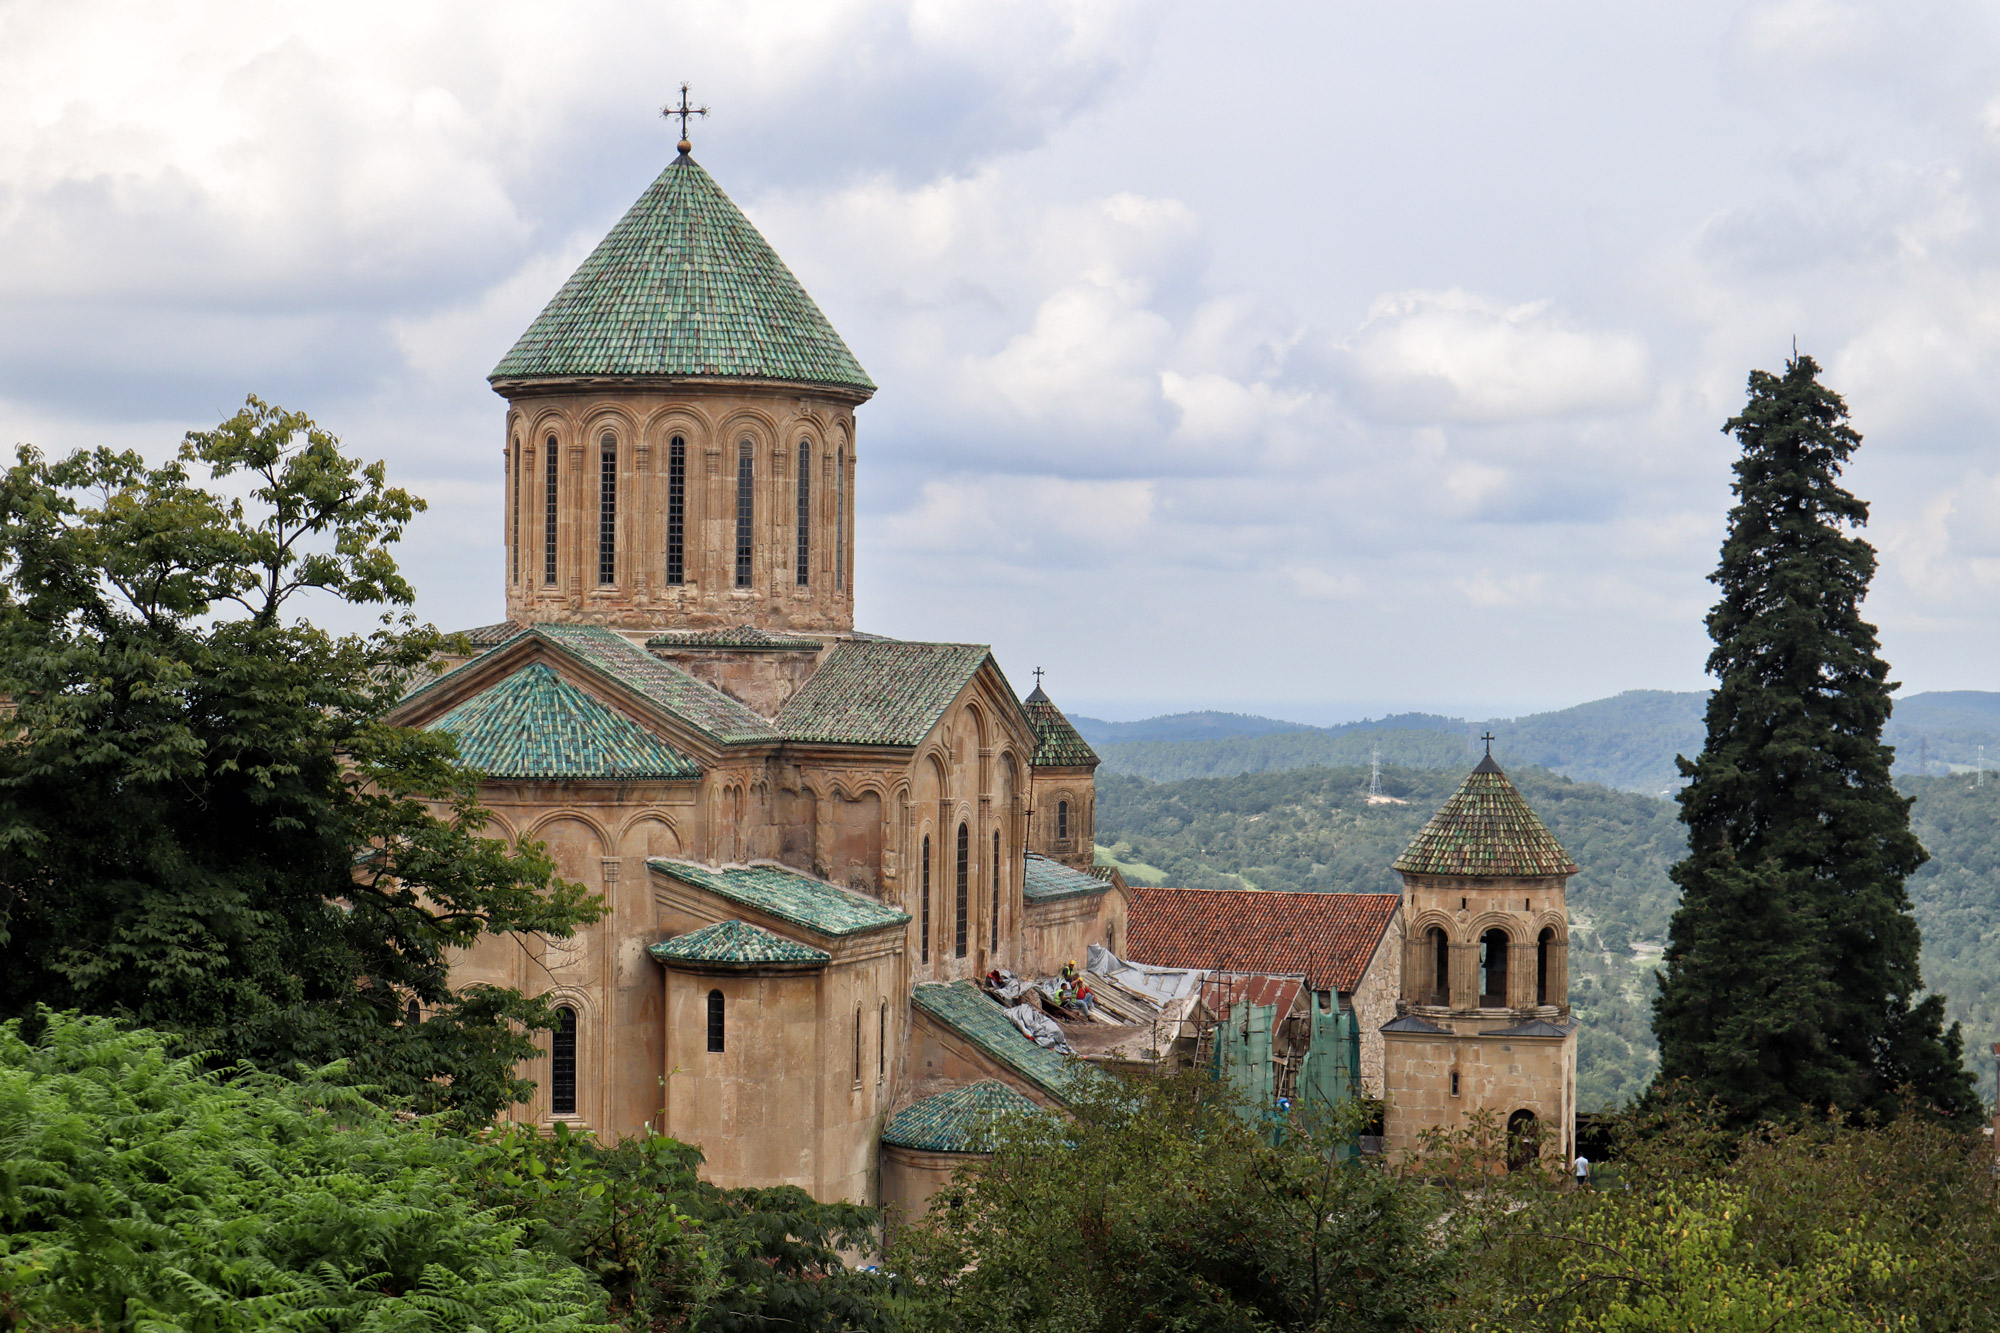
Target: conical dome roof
682,286
1486,829
1057,743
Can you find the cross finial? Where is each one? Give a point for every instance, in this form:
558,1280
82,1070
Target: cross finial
1038,678
1488,738
683,111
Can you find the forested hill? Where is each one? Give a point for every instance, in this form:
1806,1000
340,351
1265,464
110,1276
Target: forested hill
1314,829
1627,741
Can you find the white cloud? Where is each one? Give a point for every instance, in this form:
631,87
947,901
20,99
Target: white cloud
1454,356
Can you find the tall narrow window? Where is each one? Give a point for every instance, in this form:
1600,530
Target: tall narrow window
715,1020
964,888
514,510
744,480
414,1014
805,513
839,519
549,514
1062,819
562,1064
857,1045
924,913
1493,986
1440,967
607,510
1548,938
677,484
996,890
882,1043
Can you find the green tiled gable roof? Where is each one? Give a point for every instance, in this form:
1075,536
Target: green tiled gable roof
1057,744
738,636
534,724
1486,829
1049,881
880,692
684,285
961,1120
695,702
966,1010
788,895
740,944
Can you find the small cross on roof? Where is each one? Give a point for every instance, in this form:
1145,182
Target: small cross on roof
683,111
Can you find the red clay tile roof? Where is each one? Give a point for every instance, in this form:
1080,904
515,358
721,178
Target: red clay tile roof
1327,937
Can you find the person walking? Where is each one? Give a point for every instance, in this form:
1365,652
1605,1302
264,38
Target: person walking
1582,1172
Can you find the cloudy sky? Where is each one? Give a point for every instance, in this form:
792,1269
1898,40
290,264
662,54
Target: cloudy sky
1320,359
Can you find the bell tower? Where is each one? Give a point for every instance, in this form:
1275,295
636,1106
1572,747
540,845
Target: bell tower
680,443
1483,1022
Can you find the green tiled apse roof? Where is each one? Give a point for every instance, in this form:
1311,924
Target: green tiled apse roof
739,944
695,702
880,692
1486,829
684,285
966,1010
788,895
1050,881
1057,744
961,1120
746,637
534,724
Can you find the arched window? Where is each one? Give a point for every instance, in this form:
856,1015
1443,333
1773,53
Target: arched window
839,519
1062,819
562,1064
1440,966
677,485
414,1014
715,1020
962,898
882,1043
805,514
1548,937
549,514
514,510
996,890
607,509
924,923
745,509
1524,1139
1493,970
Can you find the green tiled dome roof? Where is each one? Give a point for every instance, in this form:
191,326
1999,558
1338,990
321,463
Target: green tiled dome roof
738,944
684,285
1486,829
961,1120
534,724
1057,743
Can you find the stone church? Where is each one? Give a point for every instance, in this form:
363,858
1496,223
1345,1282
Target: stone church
810,841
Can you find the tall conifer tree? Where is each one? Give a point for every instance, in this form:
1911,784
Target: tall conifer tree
1791,979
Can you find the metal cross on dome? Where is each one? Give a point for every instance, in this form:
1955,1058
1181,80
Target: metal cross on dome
683,111
1038,678
1488,738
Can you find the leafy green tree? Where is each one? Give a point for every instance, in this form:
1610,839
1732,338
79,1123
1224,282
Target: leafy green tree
675,1251
142,1190
1155,1205
1791,977
205,824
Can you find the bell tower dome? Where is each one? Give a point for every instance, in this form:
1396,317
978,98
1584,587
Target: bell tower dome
680,443
1483,1022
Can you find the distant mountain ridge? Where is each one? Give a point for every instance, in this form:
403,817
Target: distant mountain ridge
1627,741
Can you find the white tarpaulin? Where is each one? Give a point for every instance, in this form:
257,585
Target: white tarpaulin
1039,1028
1161,984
